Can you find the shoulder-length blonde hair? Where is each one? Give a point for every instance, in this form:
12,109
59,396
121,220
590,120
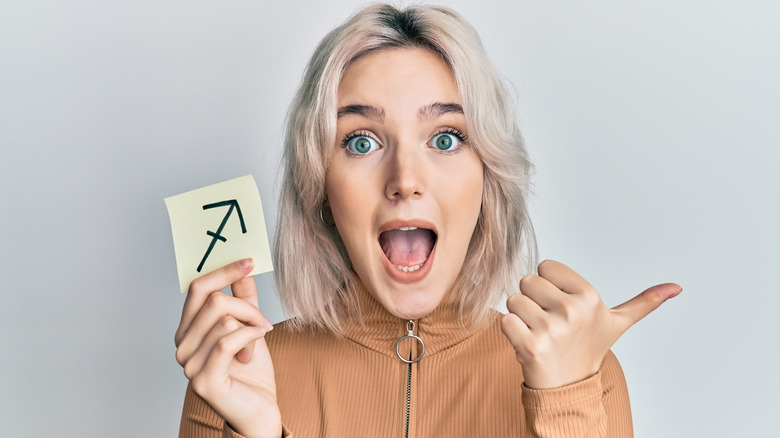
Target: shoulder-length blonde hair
312,266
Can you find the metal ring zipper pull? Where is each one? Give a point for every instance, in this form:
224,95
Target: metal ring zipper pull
410,334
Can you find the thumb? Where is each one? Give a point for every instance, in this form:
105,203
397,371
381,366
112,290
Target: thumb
245,288
630,312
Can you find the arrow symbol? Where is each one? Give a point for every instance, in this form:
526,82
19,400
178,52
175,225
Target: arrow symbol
215,235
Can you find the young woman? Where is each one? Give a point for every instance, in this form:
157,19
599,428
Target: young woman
402,220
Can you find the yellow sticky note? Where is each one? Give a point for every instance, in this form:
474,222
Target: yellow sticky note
217,225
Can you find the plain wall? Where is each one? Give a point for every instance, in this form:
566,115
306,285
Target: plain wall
653,127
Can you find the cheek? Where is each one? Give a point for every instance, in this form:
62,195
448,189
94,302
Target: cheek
465,196
338,187
349,197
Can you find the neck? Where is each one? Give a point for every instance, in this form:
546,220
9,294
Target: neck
371,325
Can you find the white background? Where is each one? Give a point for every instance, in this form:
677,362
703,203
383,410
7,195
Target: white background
653,127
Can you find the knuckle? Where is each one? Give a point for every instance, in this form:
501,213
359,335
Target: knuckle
509,326
543,324
591,297
195,285
513,300
543,347
199,385
229,323
177,337
651,299
188,371
222,346
589,290
570,311
180,357
531,349
515,329
514,304
557,331
526,279
544,265
216,300
506,322
566,312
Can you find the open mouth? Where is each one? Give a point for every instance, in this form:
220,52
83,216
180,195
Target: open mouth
407,248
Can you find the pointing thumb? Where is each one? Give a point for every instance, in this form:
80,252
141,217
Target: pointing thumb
630,312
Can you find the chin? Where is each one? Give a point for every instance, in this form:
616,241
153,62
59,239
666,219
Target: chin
410,304
411,313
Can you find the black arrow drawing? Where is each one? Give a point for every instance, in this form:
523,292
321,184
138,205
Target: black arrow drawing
215,235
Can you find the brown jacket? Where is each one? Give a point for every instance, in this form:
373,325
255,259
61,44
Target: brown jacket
467,384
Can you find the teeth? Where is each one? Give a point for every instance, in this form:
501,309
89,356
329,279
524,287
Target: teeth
407,228
408,268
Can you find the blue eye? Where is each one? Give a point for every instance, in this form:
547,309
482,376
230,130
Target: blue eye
445,142
361,145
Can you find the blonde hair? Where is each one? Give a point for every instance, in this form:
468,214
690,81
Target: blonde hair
312,265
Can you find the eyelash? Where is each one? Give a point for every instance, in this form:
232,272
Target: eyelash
448,130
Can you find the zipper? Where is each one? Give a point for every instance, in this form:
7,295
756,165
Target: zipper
410,361
408,396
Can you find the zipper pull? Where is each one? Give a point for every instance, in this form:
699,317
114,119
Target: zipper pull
410,328
410,334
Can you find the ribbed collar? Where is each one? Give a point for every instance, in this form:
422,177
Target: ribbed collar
380,330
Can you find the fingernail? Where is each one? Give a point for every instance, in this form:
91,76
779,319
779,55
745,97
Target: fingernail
245,264
269,325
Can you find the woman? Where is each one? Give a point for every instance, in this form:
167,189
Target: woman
402,220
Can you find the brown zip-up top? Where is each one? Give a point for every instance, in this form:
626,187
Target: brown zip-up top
467,384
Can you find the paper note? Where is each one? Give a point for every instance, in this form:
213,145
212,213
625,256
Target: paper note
217,225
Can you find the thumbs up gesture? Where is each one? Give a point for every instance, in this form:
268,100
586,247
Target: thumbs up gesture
560,328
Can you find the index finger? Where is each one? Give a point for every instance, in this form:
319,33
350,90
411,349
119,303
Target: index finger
563,277
205,285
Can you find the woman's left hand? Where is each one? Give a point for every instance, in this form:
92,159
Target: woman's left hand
560,328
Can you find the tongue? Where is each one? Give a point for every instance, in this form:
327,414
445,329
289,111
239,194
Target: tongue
407,248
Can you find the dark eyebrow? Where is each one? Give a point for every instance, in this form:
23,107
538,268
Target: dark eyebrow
439,109
368,111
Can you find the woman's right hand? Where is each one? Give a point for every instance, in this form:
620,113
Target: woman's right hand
220,344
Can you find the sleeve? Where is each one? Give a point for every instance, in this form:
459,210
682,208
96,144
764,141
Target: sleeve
230,433
199,420
597,407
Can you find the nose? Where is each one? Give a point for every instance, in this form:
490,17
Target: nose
405,174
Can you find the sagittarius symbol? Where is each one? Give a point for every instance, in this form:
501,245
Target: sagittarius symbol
215,235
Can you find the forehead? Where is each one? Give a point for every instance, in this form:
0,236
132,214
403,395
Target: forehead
412,76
